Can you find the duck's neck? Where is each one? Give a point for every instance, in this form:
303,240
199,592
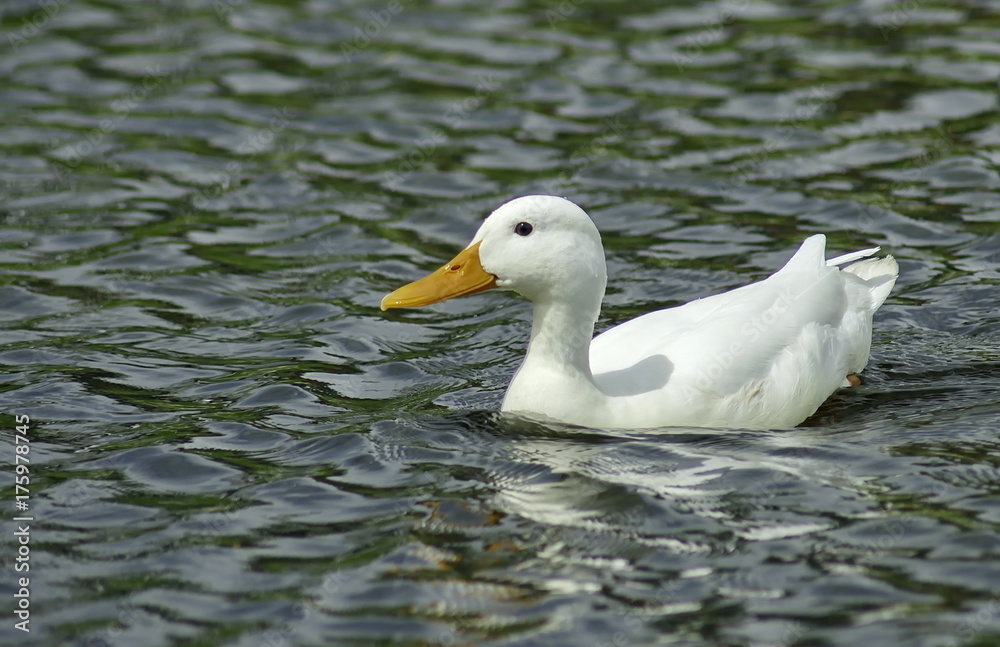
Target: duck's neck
554,380
560,336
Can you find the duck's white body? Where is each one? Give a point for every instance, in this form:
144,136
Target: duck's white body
765,355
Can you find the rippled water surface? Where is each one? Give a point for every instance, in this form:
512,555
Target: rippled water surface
201,204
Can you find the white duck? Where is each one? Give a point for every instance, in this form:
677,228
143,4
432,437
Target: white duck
765,355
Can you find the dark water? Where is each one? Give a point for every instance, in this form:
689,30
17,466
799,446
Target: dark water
203,202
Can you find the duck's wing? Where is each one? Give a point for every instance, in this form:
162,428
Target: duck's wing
794,335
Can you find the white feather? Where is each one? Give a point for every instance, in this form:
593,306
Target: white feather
765,355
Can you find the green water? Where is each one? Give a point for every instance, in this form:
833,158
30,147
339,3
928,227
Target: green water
201,205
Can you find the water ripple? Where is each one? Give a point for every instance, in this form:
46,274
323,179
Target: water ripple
201,205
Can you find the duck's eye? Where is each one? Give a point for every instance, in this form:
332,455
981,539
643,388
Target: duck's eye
523,228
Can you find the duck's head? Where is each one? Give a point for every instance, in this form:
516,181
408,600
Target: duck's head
543,247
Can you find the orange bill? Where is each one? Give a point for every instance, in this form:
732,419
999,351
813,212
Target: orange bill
462,275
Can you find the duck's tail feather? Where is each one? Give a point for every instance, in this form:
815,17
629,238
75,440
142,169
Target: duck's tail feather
852,256
878,273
